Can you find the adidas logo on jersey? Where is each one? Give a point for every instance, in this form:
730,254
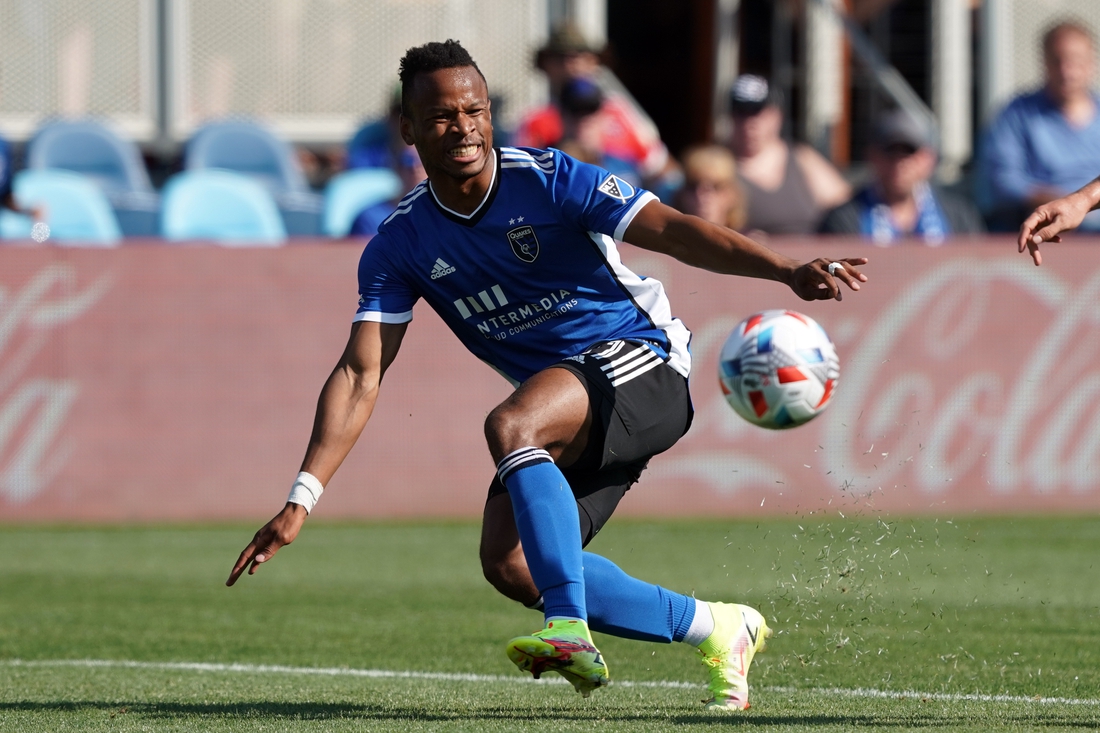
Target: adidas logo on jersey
441,269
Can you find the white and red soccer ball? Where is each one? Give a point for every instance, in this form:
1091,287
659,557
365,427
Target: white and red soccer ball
778,369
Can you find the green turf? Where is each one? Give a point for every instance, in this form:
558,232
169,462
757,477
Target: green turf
952,608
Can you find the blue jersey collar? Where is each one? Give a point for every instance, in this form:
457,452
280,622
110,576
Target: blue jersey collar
473,218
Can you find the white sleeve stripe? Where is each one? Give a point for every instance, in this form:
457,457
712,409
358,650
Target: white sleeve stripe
624,223
379,317
405,206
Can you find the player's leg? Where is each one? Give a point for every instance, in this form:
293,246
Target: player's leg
544,421
651,410
727,635
631,416
617,603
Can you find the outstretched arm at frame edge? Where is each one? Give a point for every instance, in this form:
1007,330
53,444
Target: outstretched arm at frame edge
1048,221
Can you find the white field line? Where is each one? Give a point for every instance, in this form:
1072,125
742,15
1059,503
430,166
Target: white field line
858,692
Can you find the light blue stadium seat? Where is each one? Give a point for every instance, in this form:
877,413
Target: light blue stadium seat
224,206
247,147
76,209
352,191
93,150
14,226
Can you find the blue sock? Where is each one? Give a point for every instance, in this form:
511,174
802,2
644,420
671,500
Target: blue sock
549,529
633,609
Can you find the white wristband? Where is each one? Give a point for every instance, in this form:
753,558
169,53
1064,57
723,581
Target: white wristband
305,491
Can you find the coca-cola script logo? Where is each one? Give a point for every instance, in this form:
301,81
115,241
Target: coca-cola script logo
977,378
34,407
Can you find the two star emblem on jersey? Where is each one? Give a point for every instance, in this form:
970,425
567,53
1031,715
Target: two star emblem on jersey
525,244
616,188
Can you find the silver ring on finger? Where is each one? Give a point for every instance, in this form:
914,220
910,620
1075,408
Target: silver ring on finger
834,266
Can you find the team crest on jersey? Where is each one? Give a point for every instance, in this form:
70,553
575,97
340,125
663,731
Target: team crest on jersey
524,243
616,188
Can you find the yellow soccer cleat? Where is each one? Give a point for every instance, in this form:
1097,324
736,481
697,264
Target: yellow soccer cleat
739,634
564,647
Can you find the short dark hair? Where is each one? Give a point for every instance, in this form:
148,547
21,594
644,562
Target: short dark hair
1058,30
428,58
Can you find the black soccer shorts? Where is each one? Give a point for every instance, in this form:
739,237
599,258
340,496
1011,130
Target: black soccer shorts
640,407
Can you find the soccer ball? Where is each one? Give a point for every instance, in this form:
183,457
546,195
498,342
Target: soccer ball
778,369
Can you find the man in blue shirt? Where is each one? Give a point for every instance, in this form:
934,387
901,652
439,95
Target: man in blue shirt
1044,144
515,249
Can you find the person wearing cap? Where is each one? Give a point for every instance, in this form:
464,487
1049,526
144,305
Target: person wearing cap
581,111
377,143
1045,143
787,186
900,201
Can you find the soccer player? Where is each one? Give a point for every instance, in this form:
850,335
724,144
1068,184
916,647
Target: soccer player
514,248
1048,221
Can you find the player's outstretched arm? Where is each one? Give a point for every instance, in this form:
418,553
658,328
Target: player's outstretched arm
345,405
695,242
1048,221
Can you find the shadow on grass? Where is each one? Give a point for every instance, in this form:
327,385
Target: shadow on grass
305,711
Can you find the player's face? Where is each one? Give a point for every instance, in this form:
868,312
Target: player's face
449,122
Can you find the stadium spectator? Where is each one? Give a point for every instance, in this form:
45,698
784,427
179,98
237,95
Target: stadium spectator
580,109
710,189
599,364
369,219
788,186
378,143
1045,143
1049,220
603,137
900,201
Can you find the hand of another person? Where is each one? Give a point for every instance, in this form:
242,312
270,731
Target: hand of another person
1048,221
821,278
281,530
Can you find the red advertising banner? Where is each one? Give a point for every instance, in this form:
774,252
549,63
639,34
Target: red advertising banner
157,382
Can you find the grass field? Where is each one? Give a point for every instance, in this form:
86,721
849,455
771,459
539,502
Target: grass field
882,624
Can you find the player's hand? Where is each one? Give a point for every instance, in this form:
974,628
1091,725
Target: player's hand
1048,221
814,281
281,530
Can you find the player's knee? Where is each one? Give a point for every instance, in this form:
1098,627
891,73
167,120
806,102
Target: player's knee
506,430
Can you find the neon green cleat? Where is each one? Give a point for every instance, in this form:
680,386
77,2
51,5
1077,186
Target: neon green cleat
564,647
739,634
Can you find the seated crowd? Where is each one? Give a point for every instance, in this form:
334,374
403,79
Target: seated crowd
250,187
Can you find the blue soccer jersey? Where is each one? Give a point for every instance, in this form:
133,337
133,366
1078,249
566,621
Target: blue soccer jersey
531,277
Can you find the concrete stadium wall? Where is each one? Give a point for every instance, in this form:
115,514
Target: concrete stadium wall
152,382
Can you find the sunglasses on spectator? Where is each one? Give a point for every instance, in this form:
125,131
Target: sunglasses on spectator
706,186
900,150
